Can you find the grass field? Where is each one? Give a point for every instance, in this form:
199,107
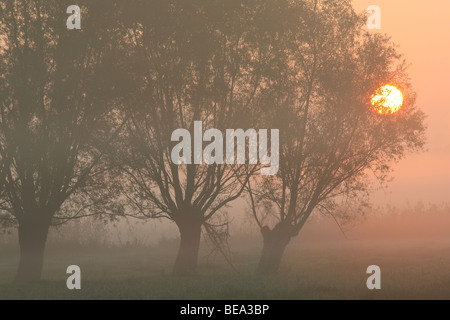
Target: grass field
410,269
412,249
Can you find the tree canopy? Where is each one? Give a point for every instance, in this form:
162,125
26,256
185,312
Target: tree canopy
331,137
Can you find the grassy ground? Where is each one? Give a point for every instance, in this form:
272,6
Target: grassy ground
410,269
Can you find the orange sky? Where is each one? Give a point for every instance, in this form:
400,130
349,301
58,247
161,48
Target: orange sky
422,30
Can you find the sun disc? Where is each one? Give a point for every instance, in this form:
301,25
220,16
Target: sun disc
387,100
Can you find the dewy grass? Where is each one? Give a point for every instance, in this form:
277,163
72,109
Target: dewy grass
309,271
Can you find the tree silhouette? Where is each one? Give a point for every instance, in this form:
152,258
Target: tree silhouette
189,61
54,90
330,136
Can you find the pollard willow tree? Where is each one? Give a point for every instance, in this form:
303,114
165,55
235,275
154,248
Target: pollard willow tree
190,61
54,87
332,140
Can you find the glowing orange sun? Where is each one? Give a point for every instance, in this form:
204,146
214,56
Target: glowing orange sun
387,100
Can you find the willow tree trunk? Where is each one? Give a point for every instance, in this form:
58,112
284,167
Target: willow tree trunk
274,245
187,257
33,231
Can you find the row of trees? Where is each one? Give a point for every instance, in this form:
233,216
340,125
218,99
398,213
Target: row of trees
86,115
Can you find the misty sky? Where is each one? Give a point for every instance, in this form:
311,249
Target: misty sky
422,31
